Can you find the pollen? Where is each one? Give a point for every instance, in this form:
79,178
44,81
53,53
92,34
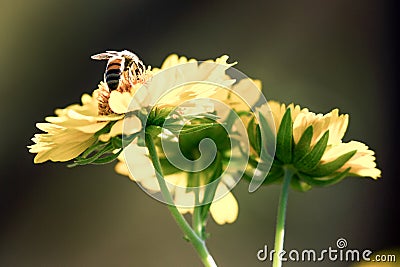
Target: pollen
126,84
102,98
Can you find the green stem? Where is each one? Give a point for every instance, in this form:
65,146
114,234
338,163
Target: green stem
196,241
280,220
197,224
196,218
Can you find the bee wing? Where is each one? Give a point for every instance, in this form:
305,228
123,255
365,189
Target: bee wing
105,55
101,56
128,53
115,53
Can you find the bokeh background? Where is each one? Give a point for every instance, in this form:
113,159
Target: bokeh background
320,54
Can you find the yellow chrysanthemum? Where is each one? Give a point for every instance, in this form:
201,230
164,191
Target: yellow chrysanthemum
311,145
73,130
362,163
178,82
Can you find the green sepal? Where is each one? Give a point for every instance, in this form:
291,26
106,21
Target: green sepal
328,168
199,130
84,161
268,135
275,174
167,167
299,185
107,159
284,138
153,130
253,161
243,113
103,152
190,129
124,141
265,166
325,181
230,120
158,116
312,158
98,145
254,134
303,146
105,129
208,116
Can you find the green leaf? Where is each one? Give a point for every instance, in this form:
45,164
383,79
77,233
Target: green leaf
303,146
311,159
284,138
325,181
328,168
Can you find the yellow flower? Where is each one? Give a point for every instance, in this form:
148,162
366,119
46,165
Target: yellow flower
180,83
362,163
73,130
312,145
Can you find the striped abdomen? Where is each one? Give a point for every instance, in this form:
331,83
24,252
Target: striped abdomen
113,73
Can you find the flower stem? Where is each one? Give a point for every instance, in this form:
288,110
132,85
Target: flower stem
196,241
197,223
280,219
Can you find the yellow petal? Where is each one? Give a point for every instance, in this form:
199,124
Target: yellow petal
121,168
226,209
361,164
140,166
173,60
62,144
131,125
119,102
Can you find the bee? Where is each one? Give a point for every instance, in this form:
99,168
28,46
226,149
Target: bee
122,67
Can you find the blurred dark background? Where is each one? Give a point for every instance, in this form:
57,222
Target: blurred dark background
320,54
